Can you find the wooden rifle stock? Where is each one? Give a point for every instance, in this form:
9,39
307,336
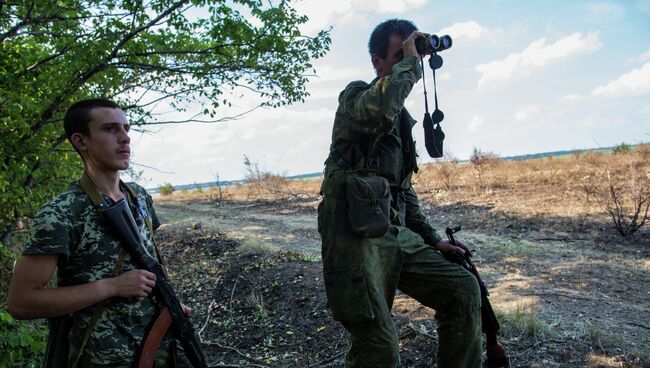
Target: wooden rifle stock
152,339
120,218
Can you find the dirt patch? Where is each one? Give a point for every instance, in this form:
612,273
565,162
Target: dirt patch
252,274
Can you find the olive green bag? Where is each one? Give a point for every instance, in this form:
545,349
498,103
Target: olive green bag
368,199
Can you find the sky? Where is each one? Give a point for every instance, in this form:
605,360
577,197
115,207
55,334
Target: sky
522,77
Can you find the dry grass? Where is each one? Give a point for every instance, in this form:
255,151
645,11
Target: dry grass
553,186
547,186
276,189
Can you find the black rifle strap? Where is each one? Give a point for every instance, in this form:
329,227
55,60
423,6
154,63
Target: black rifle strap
92,192
147,220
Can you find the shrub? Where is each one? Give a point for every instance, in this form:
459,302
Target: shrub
643,150
22,343
166,189
622,148
447,172
480,161
623,192
262,183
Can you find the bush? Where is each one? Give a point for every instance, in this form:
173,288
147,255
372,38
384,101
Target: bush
447,172
480,161
623,192
263,184
22,343
622,148
643,150
166,189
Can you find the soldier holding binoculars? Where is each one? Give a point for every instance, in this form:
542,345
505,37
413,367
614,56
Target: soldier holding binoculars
372,137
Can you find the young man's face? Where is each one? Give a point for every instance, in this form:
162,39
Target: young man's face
394,55
107,146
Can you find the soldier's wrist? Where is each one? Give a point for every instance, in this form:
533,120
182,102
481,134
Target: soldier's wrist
107,287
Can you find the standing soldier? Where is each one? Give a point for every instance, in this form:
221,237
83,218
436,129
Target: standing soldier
372,136
99,285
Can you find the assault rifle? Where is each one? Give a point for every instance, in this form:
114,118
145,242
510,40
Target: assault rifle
120,218
496,354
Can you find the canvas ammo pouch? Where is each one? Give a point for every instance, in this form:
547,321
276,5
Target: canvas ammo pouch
367,195
368,198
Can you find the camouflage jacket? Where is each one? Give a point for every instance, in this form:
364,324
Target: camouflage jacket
374,114
88,250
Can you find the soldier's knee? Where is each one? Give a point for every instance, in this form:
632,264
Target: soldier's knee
469,295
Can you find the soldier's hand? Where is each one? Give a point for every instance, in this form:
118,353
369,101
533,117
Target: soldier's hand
408,46
445,245
134,283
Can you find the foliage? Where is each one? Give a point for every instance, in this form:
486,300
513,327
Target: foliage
144,55
22,344
622,148
166,189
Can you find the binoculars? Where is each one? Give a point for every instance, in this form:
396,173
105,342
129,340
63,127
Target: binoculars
432,43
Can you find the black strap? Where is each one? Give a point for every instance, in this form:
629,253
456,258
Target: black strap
98,200
424,85
92,192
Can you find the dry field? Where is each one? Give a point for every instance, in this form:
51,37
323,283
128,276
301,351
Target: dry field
570,291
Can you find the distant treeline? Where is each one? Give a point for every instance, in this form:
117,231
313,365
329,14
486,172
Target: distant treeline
564,153
530,156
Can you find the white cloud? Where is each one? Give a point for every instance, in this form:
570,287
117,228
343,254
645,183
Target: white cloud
325,13
644,57
398,6
471,30
571,98
332,73
633,83
536,56
528,113
476,123
444,76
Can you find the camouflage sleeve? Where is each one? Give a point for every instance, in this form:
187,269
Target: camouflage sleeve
416,221
51,232
373,109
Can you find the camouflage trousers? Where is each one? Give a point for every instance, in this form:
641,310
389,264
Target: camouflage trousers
361,278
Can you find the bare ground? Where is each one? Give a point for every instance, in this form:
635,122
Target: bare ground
568,292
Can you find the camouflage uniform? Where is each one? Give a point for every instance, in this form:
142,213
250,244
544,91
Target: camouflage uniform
362,274
70,227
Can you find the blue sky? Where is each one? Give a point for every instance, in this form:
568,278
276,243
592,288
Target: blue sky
522,77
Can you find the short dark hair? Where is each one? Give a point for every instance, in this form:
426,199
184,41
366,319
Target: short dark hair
77,117
380,36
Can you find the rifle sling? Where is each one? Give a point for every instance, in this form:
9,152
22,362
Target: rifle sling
91,190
